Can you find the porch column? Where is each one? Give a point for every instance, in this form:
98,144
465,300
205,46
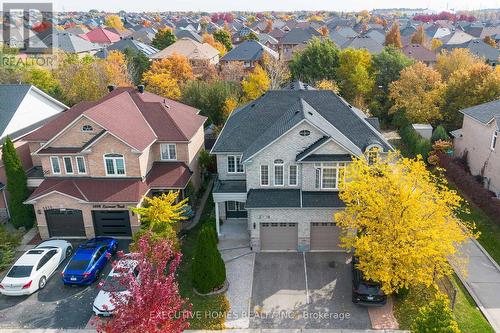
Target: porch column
217,226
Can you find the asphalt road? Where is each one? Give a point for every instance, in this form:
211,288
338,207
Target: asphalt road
55,306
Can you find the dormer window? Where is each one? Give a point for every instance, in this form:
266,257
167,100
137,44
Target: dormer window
87,128
305,133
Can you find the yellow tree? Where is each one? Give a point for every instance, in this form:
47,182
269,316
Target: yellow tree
449,62
490,41
160,214
256,83
229,105
435,43
167,75
114,21
400,219
328,85
418,93
209,39
116,69
324,31
393,37
419,36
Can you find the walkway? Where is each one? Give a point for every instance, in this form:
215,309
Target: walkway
483,281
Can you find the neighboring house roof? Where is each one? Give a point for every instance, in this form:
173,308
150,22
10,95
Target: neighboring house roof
136,118
437,32
338,39
101,36
71,43
278,111
347,32
188,48
15,121
265,38
128,43
419,53
292,198
364,42
249,50
484,113
376,35
173,175
457,37
299,36
76,30
477,47
188,33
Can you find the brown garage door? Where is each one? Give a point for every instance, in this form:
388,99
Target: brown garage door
65,223
278,236
325,237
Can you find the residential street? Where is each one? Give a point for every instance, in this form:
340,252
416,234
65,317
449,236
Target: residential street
483,282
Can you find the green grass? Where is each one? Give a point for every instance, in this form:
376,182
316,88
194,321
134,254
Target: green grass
208,311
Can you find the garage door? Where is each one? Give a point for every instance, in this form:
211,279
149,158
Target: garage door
325,237
111,223
65,223
278,236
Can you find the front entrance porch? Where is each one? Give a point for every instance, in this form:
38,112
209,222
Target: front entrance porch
230,197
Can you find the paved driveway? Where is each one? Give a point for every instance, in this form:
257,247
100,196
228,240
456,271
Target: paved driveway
55,306
284,296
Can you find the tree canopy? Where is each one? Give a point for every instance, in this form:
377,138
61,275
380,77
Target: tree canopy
163,38
255,84
393,36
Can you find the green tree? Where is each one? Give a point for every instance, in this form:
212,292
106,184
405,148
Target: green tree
386,67
440,134
163,38
251,36
42,78
354,76
318,61
436,317
21,215
222,36
208,270
138,63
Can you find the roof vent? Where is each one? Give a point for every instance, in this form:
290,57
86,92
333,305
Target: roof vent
140,88
111,88
252,105
350,106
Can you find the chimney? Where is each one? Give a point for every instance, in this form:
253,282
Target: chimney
140,88
111,88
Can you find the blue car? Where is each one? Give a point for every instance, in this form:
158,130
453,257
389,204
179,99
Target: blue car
89,260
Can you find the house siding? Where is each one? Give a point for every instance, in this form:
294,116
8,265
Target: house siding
74,136
222,169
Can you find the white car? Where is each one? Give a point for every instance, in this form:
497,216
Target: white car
102,303
33,269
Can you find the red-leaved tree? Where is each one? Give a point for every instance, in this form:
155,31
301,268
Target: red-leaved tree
152,303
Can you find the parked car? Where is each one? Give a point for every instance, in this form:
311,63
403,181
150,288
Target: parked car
35,267
89,260
365,292
114,283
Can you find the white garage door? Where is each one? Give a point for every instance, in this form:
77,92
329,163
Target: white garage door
278,236
325,237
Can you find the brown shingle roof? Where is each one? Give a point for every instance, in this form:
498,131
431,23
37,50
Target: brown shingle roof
419,53
168,175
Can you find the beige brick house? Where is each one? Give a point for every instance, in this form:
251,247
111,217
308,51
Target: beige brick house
99,159
480,138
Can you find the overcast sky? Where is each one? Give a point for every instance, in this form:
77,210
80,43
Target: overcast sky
264,5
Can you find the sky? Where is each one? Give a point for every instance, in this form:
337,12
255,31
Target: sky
264,5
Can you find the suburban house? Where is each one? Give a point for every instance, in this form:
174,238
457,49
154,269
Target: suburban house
285,179
419,52
99,159
101,36
249,54
130,44
199,54
24,108
479,137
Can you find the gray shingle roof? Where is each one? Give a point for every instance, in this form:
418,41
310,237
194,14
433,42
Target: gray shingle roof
230,186
364,42
71,43
477,47
278,110
249,50
484,112
292,198
128,43
321,199
181,33
328,158
11,96
299,36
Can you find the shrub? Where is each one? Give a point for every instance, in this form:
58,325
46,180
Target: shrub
439,134
417,145
8,243
436,317
209,271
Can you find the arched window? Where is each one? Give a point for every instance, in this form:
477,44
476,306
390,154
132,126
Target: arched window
279,171
114,164
87,128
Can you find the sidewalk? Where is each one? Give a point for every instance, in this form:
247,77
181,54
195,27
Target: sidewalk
483,281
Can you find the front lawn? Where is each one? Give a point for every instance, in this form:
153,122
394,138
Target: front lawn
208,312
468,316
8,243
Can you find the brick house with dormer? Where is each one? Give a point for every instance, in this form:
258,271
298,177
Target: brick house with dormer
99,159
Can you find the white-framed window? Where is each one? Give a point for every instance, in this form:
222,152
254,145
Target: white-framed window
168,151
372,155
234,164
80,165
114,164
235,206
494,139
292,175
279,169
56,165
87,128
264,175
328,174
68,164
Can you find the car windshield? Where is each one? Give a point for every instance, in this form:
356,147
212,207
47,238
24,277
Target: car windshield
20,271
113,283
78,265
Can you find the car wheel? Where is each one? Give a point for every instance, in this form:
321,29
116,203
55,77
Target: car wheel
42,283
69,250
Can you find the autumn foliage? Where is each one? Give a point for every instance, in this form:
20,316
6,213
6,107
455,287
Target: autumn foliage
153,304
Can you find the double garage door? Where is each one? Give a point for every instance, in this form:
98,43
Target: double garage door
69,223
284,236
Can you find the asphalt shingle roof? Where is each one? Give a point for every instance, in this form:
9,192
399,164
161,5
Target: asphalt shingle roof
484,112
249,50
11,96
292,198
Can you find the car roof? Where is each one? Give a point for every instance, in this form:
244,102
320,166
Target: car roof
52,243
31,257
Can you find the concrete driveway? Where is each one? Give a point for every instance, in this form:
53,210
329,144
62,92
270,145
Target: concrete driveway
293,290
55,306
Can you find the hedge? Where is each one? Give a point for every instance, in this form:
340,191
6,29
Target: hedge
209,270
468,184
417,145
440,134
